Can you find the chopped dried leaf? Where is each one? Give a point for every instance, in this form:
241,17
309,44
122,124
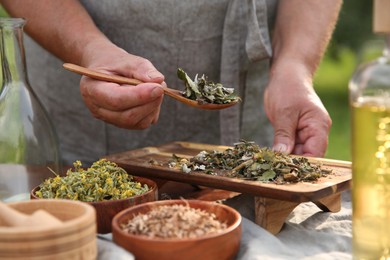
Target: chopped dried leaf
267,176
248,161
205,91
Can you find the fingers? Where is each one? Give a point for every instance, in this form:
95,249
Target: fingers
301,122
131,107
313,139
137,118
119,97
137,67
146,72
301,126
284,133
306,135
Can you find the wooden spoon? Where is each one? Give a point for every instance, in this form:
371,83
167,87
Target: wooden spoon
176,94
13,218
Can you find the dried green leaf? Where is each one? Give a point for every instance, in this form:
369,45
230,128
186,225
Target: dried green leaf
267,176
204,91
248,161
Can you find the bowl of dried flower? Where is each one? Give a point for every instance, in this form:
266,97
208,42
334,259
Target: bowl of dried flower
104,185
191,229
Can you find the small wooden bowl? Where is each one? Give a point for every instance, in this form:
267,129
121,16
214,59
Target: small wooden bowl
106,210
224,245
74,239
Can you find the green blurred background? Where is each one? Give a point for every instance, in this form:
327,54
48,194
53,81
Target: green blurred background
352,43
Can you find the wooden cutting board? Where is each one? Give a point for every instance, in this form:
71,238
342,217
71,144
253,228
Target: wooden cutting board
273,202
137,162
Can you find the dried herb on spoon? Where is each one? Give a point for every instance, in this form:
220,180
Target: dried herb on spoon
205,91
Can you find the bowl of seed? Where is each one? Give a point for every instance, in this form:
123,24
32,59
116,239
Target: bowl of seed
189,229
104,185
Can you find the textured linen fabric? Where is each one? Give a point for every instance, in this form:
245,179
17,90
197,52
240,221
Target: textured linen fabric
308,233
227,40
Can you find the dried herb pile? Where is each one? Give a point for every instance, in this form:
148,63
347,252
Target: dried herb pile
174,221
204,91
250,162
104,180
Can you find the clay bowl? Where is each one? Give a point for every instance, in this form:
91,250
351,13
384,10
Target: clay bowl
224,245
106,210
75,238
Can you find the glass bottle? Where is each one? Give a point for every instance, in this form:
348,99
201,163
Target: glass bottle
369,90
28,141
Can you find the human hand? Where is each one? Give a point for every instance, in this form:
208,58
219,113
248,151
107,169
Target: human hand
301,122
130,107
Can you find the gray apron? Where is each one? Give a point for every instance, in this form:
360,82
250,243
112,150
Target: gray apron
227,40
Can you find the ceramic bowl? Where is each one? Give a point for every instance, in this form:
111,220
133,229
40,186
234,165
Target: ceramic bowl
106,210
75,238
223,245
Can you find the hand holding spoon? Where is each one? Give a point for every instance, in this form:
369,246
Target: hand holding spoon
176,94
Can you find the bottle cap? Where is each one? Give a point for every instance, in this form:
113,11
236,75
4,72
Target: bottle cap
381,21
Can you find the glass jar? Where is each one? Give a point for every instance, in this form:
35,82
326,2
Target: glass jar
369,90
29,148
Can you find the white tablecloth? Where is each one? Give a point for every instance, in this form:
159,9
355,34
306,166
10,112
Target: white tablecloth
308,233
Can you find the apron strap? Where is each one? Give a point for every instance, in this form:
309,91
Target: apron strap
245,39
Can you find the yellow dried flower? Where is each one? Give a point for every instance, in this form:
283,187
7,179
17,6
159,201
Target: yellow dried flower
104,180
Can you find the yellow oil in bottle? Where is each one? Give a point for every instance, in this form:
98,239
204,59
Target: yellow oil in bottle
371,179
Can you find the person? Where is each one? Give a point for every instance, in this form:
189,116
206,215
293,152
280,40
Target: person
267,50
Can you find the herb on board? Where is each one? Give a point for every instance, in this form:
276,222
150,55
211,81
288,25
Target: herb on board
174,221
250,162
205,91
104,180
